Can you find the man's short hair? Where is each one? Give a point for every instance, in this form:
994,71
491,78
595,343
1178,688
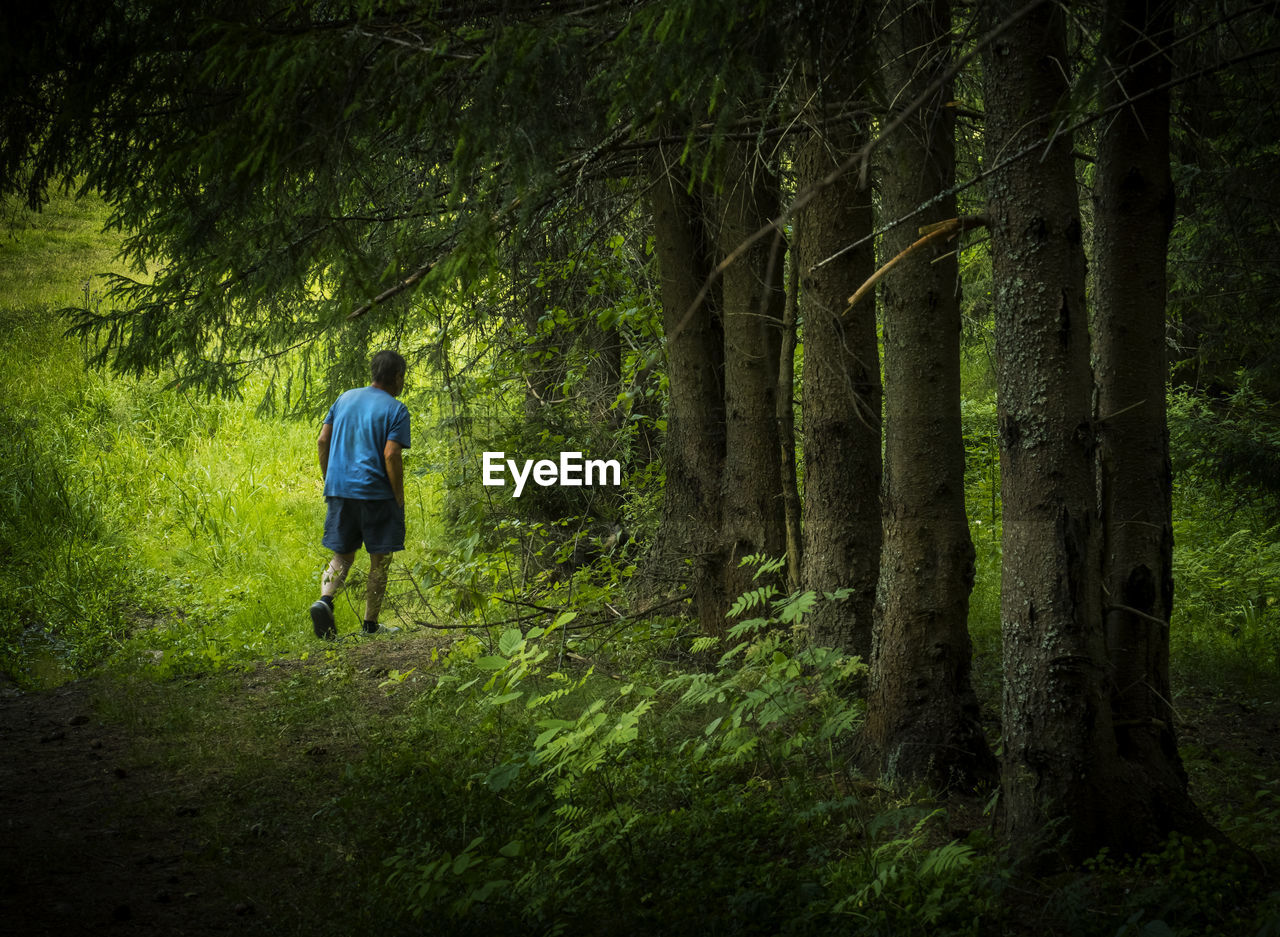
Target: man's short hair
386,366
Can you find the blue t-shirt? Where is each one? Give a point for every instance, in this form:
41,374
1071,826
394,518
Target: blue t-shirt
363,420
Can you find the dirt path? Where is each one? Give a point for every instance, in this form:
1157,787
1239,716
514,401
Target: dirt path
195,806
92,840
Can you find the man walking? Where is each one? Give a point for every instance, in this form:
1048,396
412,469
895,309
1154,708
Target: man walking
359,449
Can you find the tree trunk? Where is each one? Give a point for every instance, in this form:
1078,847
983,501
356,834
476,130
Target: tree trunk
1060,777
751,495
922,714
787,424
694,449
1133,219
841,389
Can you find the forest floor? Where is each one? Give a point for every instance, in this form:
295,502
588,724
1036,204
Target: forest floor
186,807
203,804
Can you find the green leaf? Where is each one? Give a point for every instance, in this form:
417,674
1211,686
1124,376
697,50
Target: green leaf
500,778
492,663
511,641
704,643
796,606
552,727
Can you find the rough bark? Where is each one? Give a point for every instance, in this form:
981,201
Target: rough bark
787,425
694,448
1060,776
752,518
1134,215
922,714
841,389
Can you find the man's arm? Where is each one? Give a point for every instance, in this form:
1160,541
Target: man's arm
395,468
322,448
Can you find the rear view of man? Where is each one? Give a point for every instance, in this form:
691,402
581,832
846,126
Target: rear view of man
359,449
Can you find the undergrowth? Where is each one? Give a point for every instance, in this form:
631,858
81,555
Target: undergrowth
706,802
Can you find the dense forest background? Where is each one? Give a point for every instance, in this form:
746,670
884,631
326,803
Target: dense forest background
941,593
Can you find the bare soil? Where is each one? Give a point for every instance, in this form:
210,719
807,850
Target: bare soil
92,839
102,830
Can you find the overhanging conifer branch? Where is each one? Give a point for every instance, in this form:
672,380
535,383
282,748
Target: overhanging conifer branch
393,291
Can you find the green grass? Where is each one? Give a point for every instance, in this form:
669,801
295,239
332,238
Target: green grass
1226,626
145,523
52,259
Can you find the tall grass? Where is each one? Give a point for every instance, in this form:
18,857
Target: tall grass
138,521
1226,623
52,258
61,576
225,514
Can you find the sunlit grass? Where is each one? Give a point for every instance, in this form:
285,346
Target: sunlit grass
48,259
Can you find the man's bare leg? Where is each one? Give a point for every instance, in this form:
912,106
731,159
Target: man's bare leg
379,566
335,574
331,580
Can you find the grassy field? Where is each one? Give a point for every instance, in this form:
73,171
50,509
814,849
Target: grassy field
54,258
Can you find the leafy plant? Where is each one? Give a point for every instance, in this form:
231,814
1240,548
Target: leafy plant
591,780
902,885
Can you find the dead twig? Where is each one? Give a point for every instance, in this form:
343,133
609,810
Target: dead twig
932,232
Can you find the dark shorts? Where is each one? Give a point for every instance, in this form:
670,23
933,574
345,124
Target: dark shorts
379,525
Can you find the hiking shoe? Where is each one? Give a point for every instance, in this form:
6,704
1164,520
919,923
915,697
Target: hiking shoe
382,629
322,620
